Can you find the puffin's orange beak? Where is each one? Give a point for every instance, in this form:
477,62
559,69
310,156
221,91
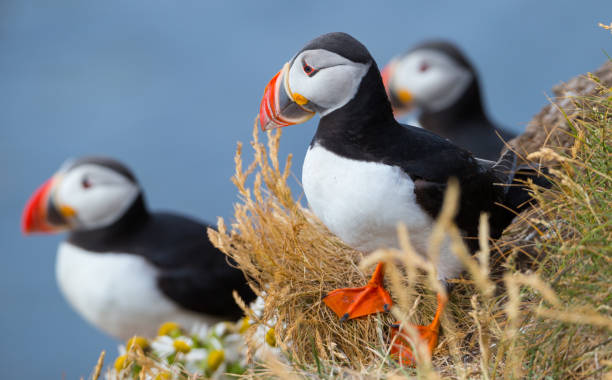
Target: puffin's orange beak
401,99
279,106
38,209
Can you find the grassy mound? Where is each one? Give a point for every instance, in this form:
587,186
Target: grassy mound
574,339
527,324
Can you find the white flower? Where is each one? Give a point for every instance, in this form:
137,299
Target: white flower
194,358
163,346
185,339
257,306
215,342
201,331
196,355
220,329
235,347
182,344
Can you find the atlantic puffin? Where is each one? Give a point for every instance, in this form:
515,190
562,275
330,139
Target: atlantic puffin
439,80
123,268
364,172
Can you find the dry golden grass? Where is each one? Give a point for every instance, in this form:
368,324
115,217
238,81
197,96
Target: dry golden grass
292,258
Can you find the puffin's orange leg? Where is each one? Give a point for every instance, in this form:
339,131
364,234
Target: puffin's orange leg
401,349
351,303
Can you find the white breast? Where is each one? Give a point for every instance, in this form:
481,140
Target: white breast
362,203
117,292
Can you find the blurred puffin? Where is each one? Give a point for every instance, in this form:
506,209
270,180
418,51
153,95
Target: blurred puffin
124,269
364,172
437,78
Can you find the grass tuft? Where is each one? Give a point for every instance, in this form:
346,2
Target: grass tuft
293,261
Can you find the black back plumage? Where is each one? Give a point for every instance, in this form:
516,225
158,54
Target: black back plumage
365,129
191,271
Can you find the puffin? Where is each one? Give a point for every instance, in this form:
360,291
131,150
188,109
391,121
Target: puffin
125,269
364,172
439,80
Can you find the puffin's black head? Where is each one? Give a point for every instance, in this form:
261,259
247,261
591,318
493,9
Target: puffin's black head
342,44
85,194
322,77
433,76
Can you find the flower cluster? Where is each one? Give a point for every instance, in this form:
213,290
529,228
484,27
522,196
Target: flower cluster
212,352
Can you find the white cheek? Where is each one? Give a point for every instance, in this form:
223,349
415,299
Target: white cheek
433,84
341,84
446,87
331,88
438,87
299,82
102,206
97,206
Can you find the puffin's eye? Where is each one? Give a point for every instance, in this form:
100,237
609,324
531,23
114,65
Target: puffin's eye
424,67
309,70
85,183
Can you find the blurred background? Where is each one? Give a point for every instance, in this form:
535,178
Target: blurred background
169,87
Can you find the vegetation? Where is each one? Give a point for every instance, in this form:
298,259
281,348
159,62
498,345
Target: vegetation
535,304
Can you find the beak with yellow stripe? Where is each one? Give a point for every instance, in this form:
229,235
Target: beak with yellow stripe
84,194
402,99
43,214
280,107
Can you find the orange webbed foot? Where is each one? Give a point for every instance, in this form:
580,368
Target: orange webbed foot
351,303
401,350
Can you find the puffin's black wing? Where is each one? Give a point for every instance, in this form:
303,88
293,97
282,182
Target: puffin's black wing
431,161
192,272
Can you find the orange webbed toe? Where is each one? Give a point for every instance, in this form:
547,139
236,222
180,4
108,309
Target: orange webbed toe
401,349
351,303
